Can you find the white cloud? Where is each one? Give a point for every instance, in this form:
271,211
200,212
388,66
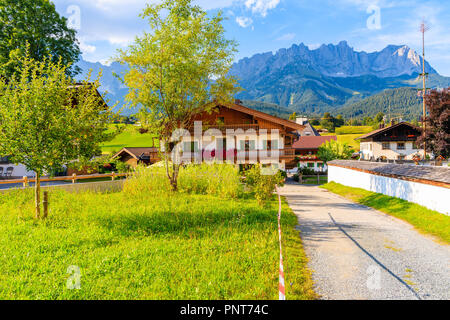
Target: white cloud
287,37
87,48
244,22
261,6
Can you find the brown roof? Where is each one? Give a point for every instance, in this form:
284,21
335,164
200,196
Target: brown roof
312,142
265,116
375,132
137,152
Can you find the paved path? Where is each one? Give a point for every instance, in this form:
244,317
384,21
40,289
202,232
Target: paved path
359,253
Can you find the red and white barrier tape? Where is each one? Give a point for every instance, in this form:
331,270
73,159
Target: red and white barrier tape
281,287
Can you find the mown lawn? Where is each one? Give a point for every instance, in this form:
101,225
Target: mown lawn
424,219
130,137
144,246
346,138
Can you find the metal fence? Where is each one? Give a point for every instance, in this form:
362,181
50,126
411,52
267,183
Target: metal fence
313,179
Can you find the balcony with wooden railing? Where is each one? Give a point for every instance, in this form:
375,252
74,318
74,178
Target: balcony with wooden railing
238,156
245,127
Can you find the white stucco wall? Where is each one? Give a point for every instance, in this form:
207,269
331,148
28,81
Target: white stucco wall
432,197
375,150
19,170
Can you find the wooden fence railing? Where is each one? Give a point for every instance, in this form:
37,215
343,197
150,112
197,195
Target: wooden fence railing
25,180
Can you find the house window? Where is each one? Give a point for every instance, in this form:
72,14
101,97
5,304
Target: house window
247,145
190,146
270,145
401,157
401,146
4,160
310,164
386,146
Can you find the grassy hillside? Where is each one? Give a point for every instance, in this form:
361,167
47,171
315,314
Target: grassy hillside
348,134
130,137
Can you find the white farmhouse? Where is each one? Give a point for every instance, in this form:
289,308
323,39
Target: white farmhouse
397,142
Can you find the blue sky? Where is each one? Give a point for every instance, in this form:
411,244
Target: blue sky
268,25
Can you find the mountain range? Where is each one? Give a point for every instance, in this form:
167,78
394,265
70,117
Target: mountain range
329,78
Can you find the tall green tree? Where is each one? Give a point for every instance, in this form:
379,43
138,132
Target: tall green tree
35,23
179,69
333,150
50,120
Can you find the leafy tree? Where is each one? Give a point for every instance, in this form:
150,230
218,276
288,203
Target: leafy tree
367,121
339,121
437,135
293,116
49,120
36,23
332,150
328,124
379,117
178,70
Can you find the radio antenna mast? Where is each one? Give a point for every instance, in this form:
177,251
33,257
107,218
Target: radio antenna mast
424,28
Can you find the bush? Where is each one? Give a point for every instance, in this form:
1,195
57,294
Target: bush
263,185
306,171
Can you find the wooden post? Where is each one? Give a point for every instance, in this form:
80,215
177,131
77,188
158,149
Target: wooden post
45,203
318,179
74,178
25,181
300,178
112,176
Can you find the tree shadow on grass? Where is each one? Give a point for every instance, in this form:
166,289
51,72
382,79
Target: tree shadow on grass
380,201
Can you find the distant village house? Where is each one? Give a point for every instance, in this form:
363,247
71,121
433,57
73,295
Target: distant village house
396,142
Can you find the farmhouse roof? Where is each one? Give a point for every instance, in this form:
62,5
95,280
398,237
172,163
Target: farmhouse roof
311,142
287,123
309,128
382,130
135,152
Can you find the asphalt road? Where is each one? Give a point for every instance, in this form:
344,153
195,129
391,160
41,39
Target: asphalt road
356,252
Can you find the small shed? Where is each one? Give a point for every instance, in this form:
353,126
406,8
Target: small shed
134,156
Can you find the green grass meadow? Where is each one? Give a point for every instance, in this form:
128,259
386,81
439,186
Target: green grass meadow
148,243
348,134
130,137
424,219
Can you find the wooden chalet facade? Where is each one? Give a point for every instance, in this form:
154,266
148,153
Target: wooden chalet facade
240,135
397,142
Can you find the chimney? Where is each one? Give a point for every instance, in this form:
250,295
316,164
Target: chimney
301,120
393,122
237,101
381,125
